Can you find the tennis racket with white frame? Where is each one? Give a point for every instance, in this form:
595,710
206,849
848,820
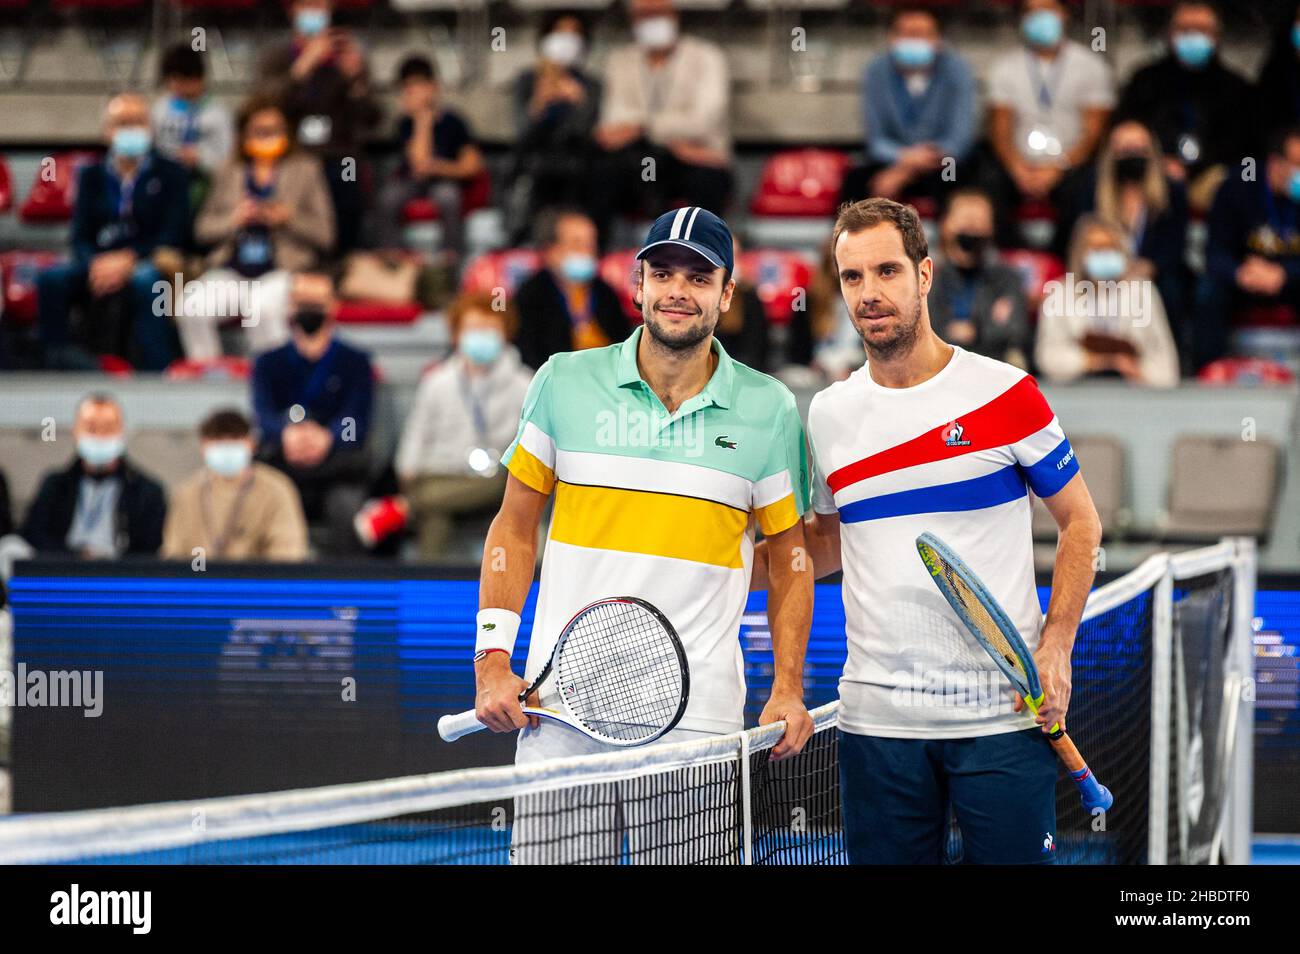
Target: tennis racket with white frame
993,629
620,674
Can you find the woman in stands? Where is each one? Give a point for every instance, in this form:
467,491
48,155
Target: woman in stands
1129,187
1106,318
267,217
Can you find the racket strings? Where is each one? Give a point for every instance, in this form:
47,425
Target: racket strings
619,672
979,615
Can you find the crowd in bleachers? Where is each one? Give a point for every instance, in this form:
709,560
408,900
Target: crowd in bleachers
267,217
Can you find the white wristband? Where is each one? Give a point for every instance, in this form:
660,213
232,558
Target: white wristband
496,629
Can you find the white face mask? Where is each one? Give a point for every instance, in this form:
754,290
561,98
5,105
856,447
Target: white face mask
562,47
655,33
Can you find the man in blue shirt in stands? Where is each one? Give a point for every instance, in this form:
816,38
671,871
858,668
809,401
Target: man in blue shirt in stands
129,207
313,399
919,108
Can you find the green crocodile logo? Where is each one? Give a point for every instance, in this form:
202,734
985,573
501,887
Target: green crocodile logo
489,626
723,442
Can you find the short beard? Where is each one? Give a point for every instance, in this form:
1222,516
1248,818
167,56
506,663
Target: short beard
904,338
687,339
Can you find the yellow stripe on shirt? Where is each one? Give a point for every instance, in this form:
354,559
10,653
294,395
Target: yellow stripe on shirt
530,470
774,518
637,521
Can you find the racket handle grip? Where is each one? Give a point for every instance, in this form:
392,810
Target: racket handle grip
1092,793
453,727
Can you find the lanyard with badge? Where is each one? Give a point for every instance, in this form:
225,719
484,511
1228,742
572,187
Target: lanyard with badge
205,503
481,459
121,194
1042,138
93,512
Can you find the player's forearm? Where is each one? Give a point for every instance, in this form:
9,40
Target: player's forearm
821,549
1072,578
509,560
789,616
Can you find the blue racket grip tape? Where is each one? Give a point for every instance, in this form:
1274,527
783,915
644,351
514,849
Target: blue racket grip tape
1093,794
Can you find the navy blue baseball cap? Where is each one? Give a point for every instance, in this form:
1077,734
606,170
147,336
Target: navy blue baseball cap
695,228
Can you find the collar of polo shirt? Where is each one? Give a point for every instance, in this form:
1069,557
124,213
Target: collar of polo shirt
718,390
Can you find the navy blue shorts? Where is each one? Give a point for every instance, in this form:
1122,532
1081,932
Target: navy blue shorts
897,794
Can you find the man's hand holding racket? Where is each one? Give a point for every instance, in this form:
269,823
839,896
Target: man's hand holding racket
1054,671
787,706
496,699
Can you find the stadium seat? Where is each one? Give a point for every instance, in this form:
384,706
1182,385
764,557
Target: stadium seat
73,5
6,187
779,276
1245,371
801,183
26,459
1037,221
616,269
1220,485
52,196
377,312
1101,459
18,271
228,368
115,365
476,195
504,269
170,454
1036,270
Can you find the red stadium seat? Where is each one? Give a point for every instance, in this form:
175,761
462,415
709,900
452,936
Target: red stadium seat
1036,270
504,269
228,368
800,182
18,271
779,276
6,187
616,269
377,313
52,196
220,5
477,194
115,366
1245,371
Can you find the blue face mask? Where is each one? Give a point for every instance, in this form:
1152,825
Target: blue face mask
912,54
1193,49
311,21
481,345
578,268
1295,35
100,451
1042,28
1105,264
1293,185
227,458
131,142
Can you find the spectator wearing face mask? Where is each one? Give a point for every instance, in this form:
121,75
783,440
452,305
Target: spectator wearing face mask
1198,108
322,82
666,97
1105,319
1252,253
465,414
268,217
189,126
234,508
129,207
556,105
1128,186
101,505
565,305
1048,106
976,301
313,399
438,158
1277,91
920,110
